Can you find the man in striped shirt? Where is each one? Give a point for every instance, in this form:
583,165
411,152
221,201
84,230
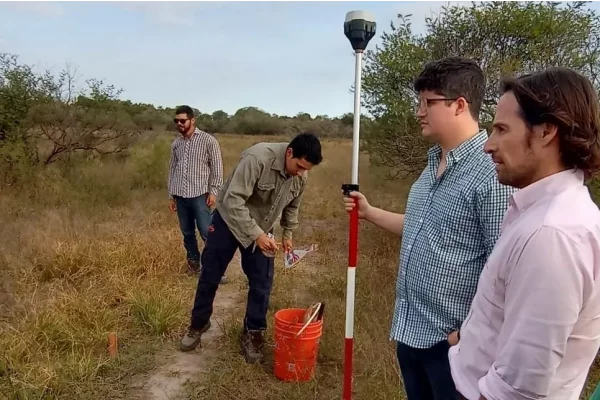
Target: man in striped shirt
452,220
195,177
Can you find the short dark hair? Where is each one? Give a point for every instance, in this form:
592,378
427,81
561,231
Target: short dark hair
307,146
567,99
185,110
454,77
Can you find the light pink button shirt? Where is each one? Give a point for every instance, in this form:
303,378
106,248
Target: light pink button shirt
534,326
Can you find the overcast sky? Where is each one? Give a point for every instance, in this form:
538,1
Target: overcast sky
284,57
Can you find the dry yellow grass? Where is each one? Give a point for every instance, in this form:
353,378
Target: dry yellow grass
92,249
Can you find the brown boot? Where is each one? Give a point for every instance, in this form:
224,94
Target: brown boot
194,266
252,346
192,338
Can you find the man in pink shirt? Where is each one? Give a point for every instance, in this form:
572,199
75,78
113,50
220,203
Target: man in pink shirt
534,325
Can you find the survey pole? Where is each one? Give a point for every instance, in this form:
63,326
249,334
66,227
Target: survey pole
359,28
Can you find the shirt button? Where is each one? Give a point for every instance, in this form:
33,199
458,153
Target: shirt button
421,221
409,246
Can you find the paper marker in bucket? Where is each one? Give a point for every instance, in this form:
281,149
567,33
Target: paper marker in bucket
359,28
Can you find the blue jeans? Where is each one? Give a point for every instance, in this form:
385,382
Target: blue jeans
426,372
193,213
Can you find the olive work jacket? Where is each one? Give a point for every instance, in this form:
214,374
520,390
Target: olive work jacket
258,191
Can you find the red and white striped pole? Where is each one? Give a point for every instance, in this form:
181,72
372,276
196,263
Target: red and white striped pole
359,28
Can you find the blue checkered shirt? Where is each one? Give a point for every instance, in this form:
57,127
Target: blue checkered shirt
451,225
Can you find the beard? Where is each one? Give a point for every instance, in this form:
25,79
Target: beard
184,129
520,174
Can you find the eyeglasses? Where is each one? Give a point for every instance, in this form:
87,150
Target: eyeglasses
425,103
181,121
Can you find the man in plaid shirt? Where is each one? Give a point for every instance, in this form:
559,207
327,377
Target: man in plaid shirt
452,220
195,177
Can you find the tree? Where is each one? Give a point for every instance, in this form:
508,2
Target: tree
94,123
254,121
43,117
504,37
21,88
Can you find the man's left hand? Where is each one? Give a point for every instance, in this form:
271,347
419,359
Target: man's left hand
211,200
287,245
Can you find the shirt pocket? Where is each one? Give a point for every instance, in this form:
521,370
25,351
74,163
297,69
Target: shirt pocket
441,224
179,151
293,192
459,225
265,188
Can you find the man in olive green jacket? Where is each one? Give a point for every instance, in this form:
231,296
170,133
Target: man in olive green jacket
268,181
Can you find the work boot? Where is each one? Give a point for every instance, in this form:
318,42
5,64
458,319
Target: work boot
252,346
192,338
194,266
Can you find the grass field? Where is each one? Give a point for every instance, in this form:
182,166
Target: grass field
91,248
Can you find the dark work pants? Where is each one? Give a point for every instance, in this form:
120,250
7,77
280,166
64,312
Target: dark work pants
193,213
426,372
218,252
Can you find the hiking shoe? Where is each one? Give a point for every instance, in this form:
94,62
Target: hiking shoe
194,266
192,338
224,280
252,346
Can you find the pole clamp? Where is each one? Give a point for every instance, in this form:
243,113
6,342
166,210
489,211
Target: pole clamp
349,187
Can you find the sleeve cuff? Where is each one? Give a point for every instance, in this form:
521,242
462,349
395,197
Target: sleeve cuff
492,387
214,191
287,234
251,237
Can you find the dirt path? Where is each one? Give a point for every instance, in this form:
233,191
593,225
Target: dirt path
176,367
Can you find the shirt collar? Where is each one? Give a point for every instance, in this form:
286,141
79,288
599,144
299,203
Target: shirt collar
279,162
194,134
546,187
464,149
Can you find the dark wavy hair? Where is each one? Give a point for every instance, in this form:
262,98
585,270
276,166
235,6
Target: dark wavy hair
454,77
567,99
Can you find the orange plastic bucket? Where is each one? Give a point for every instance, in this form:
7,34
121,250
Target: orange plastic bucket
295,358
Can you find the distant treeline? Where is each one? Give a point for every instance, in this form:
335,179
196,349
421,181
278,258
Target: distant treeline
245,121
49,117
